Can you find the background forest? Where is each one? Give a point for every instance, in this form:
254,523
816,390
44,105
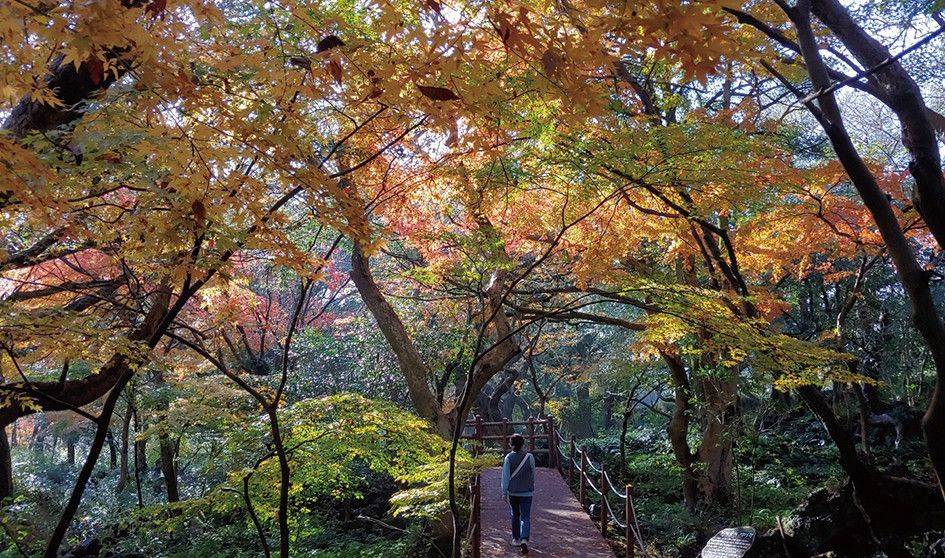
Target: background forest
259,261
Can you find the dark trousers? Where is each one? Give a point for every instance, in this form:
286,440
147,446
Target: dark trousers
521,516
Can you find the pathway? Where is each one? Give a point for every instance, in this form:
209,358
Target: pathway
560,528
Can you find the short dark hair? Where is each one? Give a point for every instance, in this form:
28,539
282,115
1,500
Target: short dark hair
516,441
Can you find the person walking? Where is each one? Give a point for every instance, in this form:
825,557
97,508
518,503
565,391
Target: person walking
518,487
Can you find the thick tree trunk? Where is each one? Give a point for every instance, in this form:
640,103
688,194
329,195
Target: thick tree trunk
877,496
169,468
608,411
678,429
715,452
73,86
416,372
582,418
141,453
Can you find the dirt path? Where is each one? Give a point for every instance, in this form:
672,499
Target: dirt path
560,528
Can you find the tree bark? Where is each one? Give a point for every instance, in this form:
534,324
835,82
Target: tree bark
913,277
169,468
123,454
112,450
715,451
73,87
678,429
6,466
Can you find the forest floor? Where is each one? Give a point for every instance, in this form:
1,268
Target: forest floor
560,528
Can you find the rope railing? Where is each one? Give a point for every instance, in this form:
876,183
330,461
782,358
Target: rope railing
590,479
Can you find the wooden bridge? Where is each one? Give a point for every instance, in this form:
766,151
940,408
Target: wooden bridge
573,511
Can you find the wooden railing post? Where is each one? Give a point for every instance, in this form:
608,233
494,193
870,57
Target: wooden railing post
571,465
552,444
531,434
631,520
479,446
582,492
604,516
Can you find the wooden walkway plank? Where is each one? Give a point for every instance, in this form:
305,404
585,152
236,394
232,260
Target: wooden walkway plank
560,528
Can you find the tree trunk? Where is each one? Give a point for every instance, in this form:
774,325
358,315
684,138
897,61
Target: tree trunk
123,454
415,370
112,450
608,411
6,467
678,429
876,496
70,451
141,452
582,419
169,468
715,451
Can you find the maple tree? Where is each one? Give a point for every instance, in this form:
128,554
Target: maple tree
200,186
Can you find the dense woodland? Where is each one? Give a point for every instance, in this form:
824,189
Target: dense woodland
260,260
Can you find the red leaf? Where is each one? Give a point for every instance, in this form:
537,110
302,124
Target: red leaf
328,43
156,8
334,68
435,6
437,93
95,69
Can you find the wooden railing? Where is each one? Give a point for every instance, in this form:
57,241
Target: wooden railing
487,436
574,463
